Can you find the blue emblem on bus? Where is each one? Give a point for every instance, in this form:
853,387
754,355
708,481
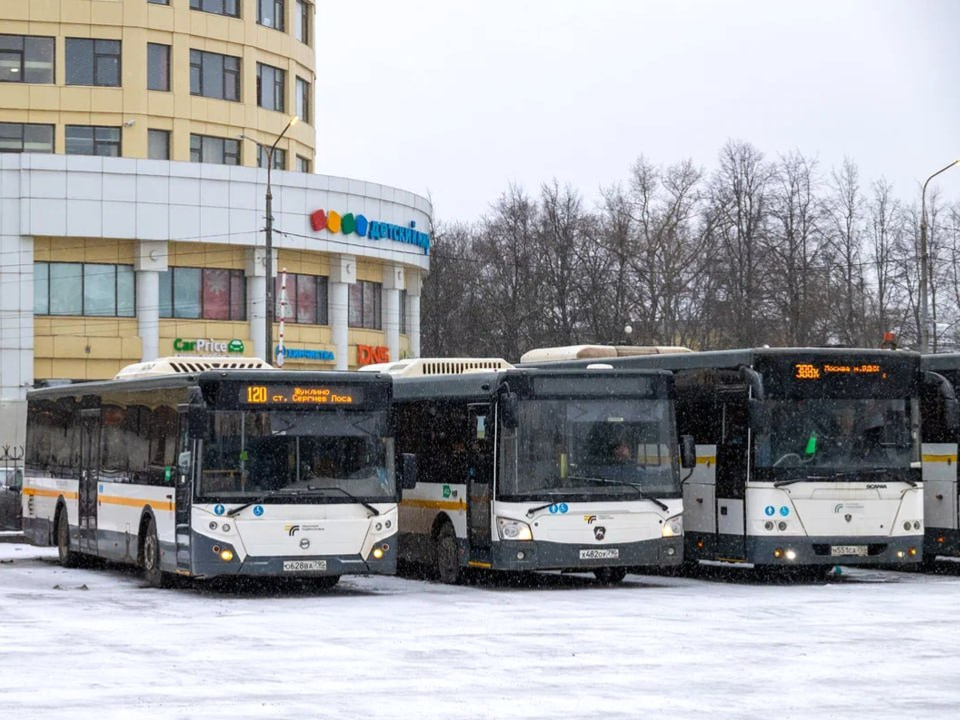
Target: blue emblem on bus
219,509
563,507
769,510
784,511
258,510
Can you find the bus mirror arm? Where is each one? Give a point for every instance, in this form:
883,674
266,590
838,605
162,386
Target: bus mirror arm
408,471
754,381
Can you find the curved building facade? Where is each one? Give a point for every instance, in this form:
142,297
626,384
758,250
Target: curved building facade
139,140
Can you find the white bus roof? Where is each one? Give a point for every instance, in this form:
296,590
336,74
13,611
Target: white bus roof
187,365
597,352
416,367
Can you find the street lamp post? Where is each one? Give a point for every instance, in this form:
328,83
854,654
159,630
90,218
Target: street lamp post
268,244
924,323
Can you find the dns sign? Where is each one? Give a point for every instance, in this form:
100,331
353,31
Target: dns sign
369,354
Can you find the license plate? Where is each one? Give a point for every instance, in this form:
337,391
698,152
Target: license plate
304,565
600,554
860,550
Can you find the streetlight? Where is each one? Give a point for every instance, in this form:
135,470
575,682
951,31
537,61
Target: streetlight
268,249
924,329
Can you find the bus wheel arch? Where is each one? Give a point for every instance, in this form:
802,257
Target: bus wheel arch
446,551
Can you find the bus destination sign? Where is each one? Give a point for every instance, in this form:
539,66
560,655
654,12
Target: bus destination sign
818,371
299,395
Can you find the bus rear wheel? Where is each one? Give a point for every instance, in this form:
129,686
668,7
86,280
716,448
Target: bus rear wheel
610,575
152,573
447,556
68,557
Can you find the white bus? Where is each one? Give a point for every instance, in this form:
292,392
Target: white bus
940,437
807,458
205,468
524,470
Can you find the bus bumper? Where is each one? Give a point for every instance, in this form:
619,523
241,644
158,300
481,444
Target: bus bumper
540,555
206,562
787,551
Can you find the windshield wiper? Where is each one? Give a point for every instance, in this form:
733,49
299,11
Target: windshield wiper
261,498
531,511
350,495
641,493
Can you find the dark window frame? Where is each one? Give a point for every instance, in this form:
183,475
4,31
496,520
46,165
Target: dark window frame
228,8
165,70
277,82
45,265
155,132
228,72
303,164
30,43
98,142
279,8
304,100
23,127
198,144
302,22
371,292
322,298
78,51
279,158
169,276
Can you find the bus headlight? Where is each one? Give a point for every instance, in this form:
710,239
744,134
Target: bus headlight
672,527
513,529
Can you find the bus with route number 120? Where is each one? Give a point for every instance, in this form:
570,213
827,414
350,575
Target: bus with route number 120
808,458
523,470
204,469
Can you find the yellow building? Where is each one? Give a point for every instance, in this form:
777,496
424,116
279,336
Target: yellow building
139,141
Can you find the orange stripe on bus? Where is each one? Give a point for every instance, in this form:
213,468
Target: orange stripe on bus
940,458
433,504
135,502
41,492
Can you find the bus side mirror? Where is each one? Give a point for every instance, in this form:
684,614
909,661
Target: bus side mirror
688,452
508,409
758,415
408,471
196,422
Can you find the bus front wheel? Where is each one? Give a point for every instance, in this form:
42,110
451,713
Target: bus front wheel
68,557
152,573
447,556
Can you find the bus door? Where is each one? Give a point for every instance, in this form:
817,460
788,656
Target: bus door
187,449
89,477
479,478
732,459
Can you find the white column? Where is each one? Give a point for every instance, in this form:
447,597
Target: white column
255,271
414,286
393,282
16,331
343,274
151,259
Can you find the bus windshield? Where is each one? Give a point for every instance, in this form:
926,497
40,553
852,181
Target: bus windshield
250,453
587,448
837,434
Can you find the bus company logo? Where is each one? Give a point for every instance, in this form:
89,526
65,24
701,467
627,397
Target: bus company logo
351,224
599,532
304,543
876,487
589,519
291,529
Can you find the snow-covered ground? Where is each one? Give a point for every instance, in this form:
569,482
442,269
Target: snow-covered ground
99,644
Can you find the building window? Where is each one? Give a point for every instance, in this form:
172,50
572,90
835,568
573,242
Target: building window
209,149
158,144
279,158
83,289
271,87
26,137
364,309
210,294
26,59
93,140
158,67
303,100
302,22
217,7
159,2
403,312
215,76
303,164
270,13
93,62
306,299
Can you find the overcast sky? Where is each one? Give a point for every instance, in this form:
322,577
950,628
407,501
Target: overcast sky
459,98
